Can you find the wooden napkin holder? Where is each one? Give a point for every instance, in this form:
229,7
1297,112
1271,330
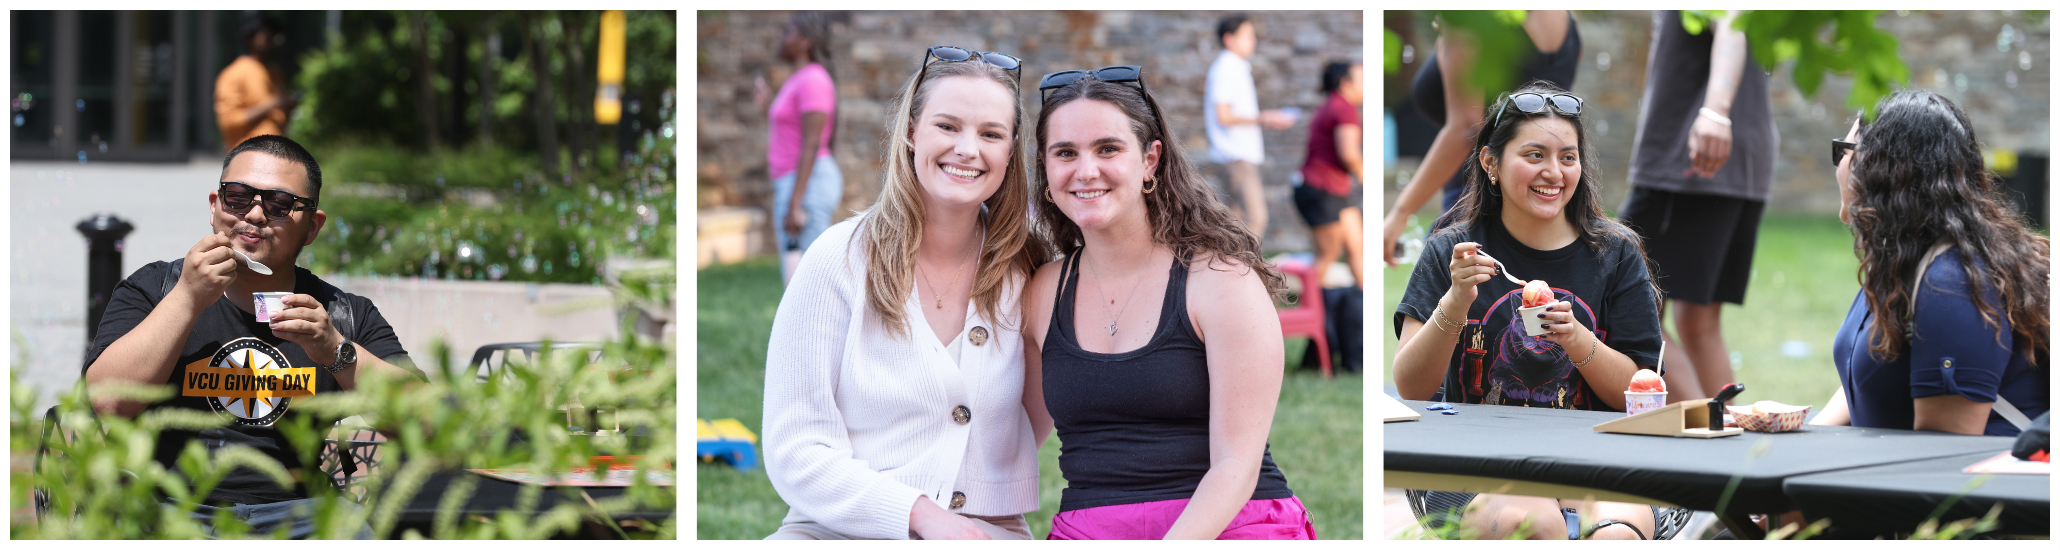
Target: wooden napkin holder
1684,419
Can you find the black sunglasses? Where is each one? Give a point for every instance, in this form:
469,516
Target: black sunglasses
954,54
1839,148
1534,103
238,197
1117,73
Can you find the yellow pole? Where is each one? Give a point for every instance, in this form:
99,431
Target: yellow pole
608,101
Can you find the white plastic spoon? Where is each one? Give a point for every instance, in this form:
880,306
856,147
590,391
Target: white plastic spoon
254,266
1499,267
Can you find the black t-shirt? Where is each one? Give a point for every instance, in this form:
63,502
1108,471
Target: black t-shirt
1496,363
232,365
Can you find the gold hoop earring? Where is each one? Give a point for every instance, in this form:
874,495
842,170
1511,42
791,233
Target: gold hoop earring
1155,184
1047,196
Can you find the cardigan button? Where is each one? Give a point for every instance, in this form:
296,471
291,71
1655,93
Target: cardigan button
978,336
961,414
958,500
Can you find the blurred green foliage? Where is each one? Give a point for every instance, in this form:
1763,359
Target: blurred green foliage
1852,46
102,483
364,85
483,200
489,214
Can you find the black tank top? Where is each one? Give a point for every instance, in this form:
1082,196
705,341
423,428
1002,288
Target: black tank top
1134,426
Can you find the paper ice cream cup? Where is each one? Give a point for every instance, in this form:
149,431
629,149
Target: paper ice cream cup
268,302
1637,401
1533,326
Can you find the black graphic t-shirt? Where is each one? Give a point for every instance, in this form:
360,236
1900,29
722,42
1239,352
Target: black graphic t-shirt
1495,362
233,366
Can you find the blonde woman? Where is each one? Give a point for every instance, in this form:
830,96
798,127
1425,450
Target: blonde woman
894,375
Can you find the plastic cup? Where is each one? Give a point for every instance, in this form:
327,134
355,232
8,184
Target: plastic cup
1637,401
1532,324
268,302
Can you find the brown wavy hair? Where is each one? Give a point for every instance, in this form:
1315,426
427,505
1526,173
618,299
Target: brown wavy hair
1183,212
893,226
1918,179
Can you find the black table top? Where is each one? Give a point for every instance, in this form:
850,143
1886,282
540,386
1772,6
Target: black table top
1895,498
1561,446
493,495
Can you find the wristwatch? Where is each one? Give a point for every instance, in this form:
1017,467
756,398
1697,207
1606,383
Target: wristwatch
346,357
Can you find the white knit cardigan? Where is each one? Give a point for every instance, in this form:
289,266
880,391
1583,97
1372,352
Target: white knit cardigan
859,422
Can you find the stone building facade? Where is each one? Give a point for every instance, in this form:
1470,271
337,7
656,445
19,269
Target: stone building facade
874,53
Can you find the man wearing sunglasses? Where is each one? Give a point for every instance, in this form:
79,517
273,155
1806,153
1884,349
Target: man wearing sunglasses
193,324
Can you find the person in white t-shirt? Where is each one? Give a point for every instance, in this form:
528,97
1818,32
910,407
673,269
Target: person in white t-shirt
1232,119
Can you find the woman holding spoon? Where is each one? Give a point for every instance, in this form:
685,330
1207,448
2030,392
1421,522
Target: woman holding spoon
1530,212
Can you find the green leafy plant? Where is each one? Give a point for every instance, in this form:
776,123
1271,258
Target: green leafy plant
102,481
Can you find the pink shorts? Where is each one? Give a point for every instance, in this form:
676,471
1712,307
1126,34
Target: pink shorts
1273,519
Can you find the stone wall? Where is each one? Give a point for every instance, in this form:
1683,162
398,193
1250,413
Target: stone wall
874,53
2001,78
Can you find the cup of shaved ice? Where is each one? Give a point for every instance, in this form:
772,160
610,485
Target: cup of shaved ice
1537,297
1646,392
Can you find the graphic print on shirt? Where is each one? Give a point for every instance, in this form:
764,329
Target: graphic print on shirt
249,381
1530,371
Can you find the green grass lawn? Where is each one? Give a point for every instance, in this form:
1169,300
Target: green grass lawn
1317,431
1804,278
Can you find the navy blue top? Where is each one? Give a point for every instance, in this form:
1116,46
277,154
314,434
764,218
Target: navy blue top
1949,331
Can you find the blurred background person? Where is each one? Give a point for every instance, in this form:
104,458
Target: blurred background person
250,95
1232,119
1445,93
806,182
1702,170
1330,193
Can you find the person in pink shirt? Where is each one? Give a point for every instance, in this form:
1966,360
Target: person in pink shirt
806,182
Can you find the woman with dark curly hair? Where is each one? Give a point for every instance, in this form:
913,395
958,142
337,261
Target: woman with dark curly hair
1153,347
1918,350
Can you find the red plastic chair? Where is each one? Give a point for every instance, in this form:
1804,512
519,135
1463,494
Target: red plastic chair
1306,318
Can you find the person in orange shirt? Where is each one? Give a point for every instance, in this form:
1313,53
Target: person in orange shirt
249,98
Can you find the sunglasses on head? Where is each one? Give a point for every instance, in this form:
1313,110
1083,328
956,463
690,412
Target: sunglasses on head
1534,103
1116,73
237,198
954,54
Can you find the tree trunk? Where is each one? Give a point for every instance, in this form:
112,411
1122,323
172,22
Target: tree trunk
489,91
542,103
578,95
454,71
425,78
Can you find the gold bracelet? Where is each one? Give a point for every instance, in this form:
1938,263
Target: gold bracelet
1443,320
1591,354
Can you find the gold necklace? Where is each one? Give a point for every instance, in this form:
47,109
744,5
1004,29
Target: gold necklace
960,273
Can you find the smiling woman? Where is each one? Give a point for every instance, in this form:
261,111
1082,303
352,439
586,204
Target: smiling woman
1531,196
875,429
1163,404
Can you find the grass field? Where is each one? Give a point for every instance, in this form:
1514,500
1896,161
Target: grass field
1803,280
1317,437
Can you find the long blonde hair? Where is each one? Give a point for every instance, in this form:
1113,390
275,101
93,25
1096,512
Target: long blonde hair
893,226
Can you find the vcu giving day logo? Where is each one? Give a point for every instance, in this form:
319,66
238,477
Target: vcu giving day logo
249,381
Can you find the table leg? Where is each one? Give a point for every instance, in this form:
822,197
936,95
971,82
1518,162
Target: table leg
1742,526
